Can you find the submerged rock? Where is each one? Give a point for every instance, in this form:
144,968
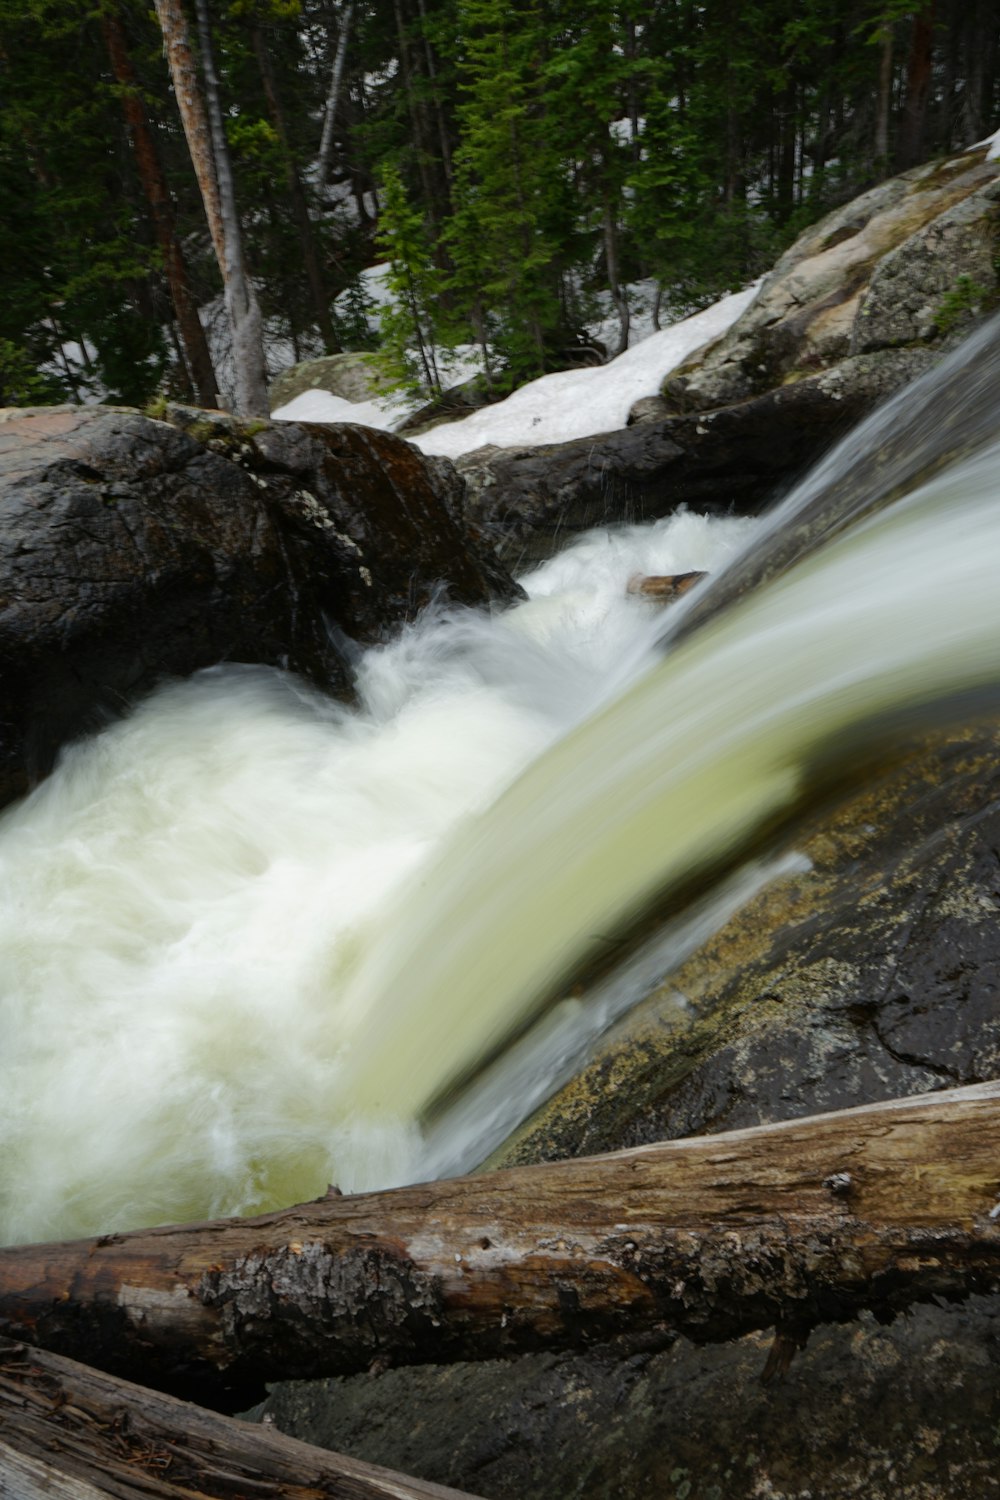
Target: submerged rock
132,549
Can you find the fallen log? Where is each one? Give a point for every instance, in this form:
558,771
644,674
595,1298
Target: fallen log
71,1433
789,1225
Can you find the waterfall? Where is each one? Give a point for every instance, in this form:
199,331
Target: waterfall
250,939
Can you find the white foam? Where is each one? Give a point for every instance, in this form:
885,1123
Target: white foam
184,903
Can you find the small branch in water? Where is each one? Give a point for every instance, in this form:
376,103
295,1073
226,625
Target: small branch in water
663,587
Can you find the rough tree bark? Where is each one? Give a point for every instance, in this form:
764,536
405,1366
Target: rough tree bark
154,183
913,125
209,157
788,1225
71,1433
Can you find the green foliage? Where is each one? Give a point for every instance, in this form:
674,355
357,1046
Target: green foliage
512,183
21,384
408,335
967,296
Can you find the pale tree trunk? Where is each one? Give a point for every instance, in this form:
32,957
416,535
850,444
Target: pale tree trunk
333,98
783,1226
241,299
205,135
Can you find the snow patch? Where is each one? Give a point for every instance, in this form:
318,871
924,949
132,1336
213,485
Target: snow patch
569,404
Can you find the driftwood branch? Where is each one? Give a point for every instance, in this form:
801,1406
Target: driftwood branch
71,1433
789,1225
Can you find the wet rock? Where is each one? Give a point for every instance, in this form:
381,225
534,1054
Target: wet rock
874,972
907,1412
530,501
131,549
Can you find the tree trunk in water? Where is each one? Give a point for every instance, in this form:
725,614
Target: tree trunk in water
70,1433
154,183
788,1225
909,150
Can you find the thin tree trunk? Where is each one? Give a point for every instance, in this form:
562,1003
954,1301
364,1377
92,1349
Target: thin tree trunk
70,1433
210,158
883,105
417,124
197,357
191,106
788,1225
241,299
333,99
912,126
445,143
296,192
610,236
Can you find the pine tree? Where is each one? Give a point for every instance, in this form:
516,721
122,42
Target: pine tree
408,333
506,183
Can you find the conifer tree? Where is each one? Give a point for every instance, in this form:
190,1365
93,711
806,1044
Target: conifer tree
408,330
506,181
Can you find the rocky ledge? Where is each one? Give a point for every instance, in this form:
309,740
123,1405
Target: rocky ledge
133,549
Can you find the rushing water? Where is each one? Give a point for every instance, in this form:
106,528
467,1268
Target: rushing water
186,904
249,938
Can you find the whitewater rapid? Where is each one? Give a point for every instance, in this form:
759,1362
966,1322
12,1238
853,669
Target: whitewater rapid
187,904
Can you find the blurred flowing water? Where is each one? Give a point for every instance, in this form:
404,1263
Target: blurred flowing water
251,939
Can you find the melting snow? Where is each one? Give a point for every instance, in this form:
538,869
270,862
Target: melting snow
554,409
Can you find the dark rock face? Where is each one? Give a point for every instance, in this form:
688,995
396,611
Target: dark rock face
907,1412
131,549
873,974
529,501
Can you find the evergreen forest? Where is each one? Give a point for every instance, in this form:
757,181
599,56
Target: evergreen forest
235,165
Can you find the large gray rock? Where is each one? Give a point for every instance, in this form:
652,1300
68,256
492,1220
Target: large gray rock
131,549
876,274
352,376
